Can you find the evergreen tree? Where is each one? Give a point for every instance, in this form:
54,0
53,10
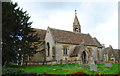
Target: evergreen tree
17,34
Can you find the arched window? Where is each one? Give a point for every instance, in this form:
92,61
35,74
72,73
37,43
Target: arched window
48,49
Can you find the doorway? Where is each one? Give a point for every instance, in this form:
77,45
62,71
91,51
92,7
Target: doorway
83,56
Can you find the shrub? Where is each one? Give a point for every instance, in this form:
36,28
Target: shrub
16,72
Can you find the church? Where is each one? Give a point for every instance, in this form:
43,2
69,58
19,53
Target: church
57,44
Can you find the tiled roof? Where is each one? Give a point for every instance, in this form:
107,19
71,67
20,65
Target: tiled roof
71,37
106,49
41,33
97,42
109,50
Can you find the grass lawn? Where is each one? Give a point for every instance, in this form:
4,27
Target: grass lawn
54,69
63,69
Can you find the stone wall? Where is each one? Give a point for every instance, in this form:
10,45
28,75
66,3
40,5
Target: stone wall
59,51
49,39
100,54
37,57
94,52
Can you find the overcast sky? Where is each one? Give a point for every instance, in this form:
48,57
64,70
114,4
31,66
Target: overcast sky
99,19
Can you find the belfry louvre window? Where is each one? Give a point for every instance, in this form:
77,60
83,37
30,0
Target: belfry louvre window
76,29
65,50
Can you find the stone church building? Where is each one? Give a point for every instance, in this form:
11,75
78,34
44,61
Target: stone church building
57,44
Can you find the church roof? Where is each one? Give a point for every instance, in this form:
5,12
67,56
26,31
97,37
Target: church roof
40,33
97,42
110,51
63,36
106,50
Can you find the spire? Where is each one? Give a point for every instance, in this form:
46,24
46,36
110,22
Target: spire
76,25
76,12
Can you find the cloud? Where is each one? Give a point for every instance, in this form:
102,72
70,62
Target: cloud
97,18
60,20
112,23
107,32
66,0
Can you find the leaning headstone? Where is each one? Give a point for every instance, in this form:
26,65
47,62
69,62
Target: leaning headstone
93,67
108,64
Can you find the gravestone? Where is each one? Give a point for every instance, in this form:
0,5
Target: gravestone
61,61
51,63
105,69
66,62
75,66
93,67
108,64
84,66
92,61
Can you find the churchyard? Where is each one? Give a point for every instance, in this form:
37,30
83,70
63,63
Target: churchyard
104,68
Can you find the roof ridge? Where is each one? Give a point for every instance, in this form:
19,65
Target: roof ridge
71,37
38,29
97,42
69,31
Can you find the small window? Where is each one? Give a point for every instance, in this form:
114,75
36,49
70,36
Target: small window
65,51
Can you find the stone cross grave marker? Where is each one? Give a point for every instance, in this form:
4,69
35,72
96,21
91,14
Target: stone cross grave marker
108,64
93,67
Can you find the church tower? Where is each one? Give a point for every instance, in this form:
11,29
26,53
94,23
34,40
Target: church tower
76,24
